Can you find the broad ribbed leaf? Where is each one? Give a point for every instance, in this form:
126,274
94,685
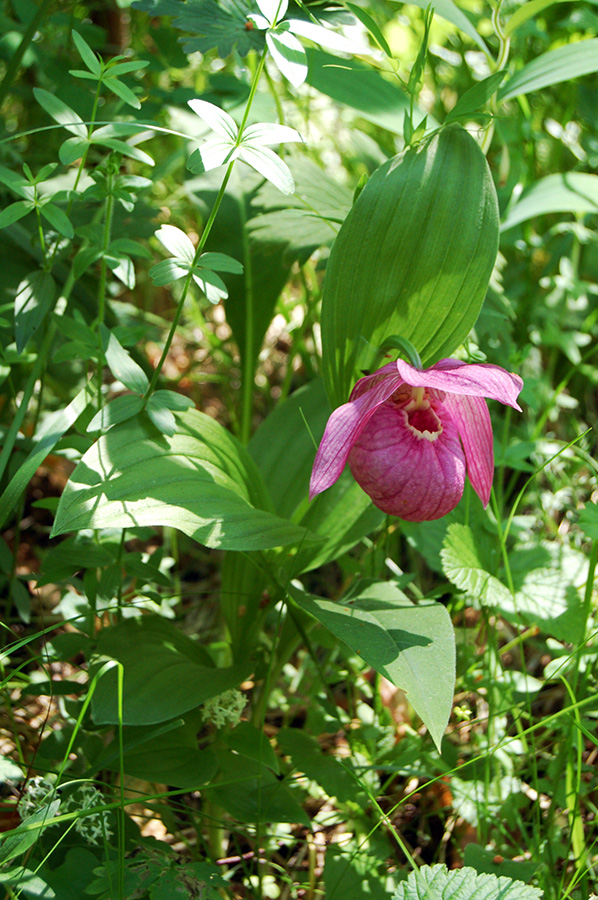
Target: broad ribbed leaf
573,192
201,481
562,64
412,646
413,258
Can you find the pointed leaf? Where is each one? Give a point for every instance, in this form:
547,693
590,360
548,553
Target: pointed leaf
213,153
201,481
34,298
124,148
271,166
72,149
326,37
118,410
176,242
476,96
273,9
57,219
161,417
413,258
122,91
573,192
412,646
451,12
211,284
220,262
167,271
215,118
270,133
165,673
86,53
121,365
289,56
14,212
563,64
60,112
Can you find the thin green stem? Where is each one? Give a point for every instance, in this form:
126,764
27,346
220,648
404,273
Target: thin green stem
13,66
504,46
102,280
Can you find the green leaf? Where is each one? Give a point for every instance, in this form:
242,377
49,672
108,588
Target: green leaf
220,262
213,24
249,741
201,481
476,96
167,271
165,673
465,567
45,440
161,417
72,149
413,258
412,646
176,242
563,64
118,410
87,54
25,835
35,295
121,365
451,12
14,212
525,12
571,192
124,148
171,400
352,873
351,83
60,112
289,55
16,183
57,219
252,793
588,521
371,25
28,883
126,67
437,883
122,91
328,771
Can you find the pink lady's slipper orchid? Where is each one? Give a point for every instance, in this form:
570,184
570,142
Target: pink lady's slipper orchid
409,436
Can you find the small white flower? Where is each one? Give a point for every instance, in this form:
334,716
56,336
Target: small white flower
251,146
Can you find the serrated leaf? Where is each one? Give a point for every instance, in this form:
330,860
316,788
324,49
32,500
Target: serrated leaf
60,112
86,53
212,24
201,481
413,258
34,298
437,883
412,646
121,365
563,64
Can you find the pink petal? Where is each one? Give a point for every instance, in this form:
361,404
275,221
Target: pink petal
472,419
346,424
472,379
406,475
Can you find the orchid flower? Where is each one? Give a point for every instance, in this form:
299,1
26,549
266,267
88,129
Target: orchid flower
251,145
410,435
286,50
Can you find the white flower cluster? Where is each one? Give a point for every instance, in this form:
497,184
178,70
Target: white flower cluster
225,709
40,790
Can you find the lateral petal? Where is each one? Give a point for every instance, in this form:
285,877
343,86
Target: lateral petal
471,379
344,427
471,416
